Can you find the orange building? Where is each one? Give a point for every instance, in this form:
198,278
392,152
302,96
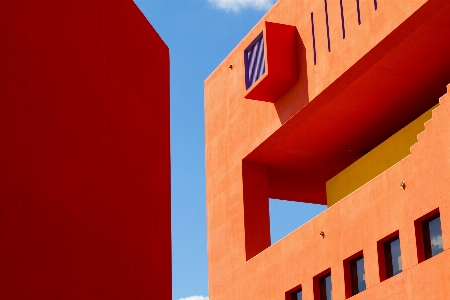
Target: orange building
339,103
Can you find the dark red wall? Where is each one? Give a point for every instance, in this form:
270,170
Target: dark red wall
84,152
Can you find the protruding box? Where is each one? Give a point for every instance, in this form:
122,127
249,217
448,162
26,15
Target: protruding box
280,59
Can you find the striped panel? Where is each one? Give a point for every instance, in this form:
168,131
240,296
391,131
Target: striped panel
254,61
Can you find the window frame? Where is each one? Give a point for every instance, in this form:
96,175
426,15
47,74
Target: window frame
259,37
348,276
318,285
421,237
385,269
292,293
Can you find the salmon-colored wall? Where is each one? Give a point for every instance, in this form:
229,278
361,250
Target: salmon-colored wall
369,86
84,152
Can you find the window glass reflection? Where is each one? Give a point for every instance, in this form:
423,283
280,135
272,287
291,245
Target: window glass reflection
325,287
432,234
393,257
357,275
298,295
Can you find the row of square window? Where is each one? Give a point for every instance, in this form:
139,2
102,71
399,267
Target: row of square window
429,234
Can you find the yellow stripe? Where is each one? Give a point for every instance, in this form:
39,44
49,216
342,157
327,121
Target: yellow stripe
375,162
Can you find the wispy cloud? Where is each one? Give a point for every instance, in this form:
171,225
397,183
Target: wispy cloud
436,242
195,298
237,5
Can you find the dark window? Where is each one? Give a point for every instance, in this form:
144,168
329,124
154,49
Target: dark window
357,273
432,236
297,295
254,61
393,257
325,287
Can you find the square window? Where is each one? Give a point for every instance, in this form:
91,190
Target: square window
254,60
393,257
429,235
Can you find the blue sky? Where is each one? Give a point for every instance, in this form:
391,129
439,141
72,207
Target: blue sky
200,34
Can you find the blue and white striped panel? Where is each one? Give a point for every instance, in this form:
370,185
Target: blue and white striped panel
254,61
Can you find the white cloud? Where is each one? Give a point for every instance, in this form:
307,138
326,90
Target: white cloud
237,5
195,298
436,242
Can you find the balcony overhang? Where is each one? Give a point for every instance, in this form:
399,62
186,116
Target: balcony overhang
394,83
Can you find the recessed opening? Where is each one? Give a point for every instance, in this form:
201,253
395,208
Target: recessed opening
354,273
342,20
322,286
432,236
328,29
389,256
286,216
359,13
393,257
429,235
313,37
295,294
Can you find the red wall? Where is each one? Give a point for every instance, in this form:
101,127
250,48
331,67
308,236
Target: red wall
84,152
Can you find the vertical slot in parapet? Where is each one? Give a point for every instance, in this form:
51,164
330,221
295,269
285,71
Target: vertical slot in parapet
359,13
343,20
313,37
328,28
